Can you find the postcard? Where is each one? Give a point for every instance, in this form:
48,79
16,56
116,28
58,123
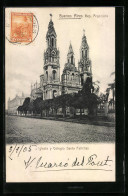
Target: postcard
60,94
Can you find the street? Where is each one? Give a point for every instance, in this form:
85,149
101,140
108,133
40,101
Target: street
30,130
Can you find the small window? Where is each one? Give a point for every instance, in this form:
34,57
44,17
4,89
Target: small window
72,59
54,74
52,42
46,94
47,75
82,53
82,80
48,41
54,93
86,53
72,76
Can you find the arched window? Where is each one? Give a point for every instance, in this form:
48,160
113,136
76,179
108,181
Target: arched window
54,93
82,80
82,53
46,75
53,56
46,95
48,41
72,59
54,74
86,53
52,41
73,76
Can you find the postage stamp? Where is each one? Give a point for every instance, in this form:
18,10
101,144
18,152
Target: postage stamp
21,27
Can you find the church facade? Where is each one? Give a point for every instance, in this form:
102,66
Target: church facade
72,78
13,104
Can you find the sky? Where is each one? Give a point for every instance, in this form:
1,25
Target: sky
24,63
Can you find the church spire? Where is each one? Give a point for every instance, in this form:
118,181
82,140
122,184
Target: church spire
84,40
84,65
70,55
70,49
51,30
83,32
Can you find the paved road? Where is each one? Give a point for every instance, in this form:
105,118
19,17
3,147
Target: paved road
31,130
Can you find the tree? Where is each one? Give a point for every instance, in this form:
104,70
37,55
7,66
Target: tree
65,100
20,109
31,107
107,94
46,105
38,105
90,99
88,87
26,105
101,99
56,103
96,86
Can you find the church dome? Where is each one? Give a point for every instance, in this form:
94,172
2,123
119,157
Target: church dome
70,67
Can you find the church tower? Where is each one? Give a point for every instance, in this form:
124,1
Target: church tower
70,56
84,65
51,77
51,55
70,76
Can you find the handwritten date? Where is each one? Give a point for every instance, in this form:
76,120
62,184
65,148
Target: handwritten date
16,150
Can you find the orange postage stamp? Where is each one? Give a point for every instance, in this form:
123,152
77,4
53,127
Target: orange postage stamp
21,27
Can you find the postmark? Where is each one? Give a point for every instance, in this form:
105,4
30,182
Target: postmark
21,28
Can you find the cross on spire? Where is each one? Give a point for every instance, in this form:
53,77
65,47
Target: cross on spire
51,16
83,31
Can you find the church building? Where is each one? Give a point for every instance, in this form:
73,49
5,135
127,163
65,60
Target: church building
72,78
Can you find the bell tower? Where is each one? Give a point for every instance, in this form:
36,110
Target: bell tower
84,65
51,56
70,56
51,68
70,75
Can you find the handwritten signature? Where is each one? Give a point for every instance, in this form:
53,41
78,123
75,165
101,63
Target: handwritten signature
38,163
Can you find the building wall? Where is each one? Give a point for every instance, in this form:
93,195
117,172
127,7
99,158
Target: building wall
14,104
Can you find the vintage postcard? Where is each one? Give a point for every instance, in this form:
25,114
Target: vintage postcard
60,94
